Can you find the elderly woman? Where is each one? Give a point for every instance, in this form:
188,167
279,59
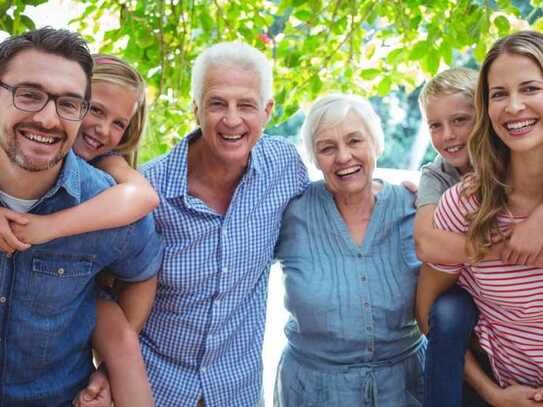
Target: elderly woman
348,258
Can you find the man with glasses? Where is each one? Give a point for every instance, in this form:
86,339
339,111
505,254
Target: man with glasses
47,293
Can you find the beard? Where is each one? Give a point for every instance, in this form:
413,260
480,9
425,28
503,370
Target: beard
16,155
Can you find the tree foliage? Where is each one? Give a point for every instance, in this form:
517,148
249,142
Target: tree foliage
364,46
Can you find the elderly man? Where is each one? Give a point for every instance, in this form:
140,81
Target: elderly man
47,293
223,190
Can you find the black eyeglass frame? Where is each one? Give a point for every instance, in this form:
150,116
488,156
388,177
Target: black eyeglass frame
85,104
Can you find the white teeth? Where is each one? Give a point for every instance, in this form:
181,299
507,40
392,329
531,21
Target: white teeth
348,171
40,139
519,125
454,149
232,136
92,142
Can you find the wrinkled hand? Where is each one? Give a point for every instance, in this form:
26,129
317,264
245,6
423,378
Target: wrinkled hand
96,394
39,229
518,395
525,244
9,242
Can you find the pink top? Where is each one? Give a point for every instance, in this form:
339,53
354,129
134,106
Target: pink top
509,298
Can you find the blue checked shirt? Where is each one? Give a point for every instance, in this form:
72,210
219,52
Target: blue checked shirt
204,336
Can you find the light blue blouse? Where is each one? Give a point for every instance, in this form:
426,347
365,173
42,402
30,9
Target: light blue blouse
352,335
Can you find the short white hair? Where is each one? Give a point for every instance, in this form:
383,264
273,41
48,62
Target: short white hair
330,110
233,55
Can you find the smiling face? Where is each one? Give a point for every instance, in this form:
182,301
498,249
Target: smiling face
450,119
112,108
39,141
231,114
346,155
515,101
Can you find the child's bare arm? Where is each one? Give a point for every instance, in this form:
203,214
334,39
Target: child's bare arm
117,206
9,242
526,242
437,246
430,285
136,301
116,341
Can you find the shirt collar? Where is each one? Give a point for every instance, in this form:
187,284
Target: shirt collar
178,165
69,178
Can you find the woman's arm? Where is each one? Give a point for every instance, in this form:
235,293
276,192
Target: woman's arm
431,284
515,395
117,206
434,245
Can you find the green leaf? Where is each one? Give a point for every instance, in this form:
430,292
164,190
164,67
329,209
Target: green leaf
502,24
418,51
395,56
383,88
480,51
316,84
370,74
303,15
27,22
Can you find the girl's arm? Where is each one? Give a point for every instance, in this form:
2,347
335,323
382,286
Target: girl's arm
8,241
434,245
515,395
115,338
117,206
430,285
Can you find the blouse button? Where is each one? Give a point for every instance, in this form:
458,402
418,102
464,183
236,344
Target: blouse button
60,271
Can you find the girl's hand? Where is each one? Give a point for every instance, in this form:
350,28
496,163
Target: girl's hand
9,241
38,229
96,394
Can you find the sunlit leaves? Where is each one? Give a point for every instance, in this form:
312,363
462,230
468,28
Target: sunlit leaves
363,46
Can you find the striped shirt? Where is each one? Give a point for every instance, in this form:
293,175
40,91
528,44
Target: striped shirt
509,298
204,336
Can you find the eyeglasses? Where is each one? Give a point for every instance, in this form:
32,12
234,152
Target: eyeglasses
29,99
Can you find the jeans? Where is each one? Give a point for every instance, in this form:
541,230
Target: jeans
452,319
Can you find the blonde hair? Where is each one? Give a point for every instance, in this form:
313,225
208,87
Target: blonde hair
110,69
489,155
330,110
449,82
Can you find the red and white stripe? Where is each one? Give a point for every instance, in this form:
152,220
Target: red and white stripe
509,298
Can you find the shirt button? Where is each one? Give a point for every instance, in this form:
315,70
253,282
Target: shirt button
358,255
60,271
363,278
3,300
369,328
366,305
203,370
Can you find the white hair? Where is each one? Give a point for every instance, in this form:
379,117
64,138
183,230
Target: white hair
330,110
234,55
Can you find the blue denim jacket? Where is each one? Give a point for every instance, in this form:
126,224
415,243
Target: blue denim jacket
47,295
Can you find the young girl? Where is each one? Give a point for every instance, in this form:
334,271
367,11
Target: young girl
506,148
115,122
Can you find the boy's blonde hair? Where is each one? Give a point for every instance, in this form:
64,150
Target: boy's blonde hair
449,82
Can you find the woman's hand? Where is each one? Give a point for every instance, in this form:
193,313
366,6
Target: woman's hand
518,395
9,241
38,229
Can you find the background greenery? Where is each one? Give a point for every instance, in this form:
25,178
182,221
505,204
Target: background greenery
381,49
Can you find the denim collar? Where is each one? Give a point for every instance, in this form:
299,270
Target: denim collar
68,179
